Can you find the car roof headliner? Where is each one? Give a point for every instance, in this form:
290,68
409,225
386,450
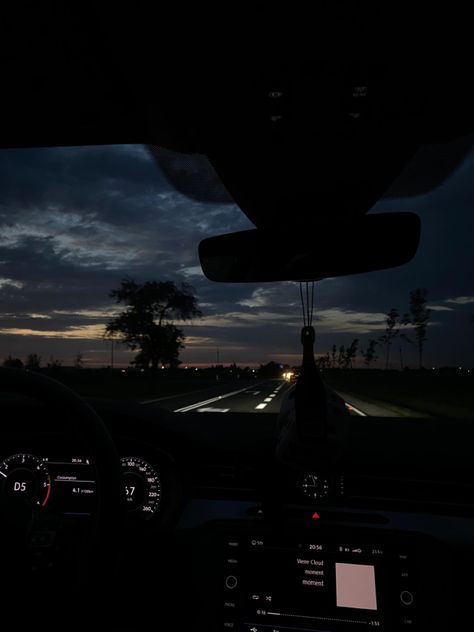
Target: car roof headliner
318,129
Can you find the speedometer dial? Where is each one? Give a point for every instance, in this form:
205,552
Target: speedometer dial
25,477
142,487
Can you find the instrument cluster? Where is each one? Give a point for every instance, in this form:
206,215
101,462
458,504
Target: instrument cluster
67,485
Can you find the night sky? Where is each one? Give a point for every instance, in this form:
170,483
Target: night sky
75,221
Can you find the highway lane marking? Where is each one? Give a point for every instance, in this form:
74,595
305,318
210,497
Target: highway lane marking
350,408
209,409
161,399
269,399
185,409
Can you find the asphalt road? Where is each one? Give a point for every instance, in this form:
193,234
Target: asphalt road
261,397
264,396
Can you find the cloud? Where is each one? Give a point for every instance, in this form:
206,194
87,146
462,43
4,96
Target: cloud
107,208
461,300
238,319
7,316
326,320
204,342
81,240
75,221
84,332
5,283
440,308
101,313
192,271
260,297
349,321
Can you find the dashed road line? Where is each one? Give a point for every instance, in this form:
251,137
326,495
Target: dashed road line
185,409
203,406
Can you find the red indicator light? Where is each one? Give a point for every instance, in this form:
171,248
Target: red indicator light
43,504
315,516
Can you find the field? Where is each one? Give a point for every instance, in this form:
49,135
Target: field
135,385
438,393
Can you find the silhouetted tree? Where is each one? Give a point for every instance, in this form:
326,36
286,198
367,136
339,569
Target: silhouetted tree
333,355
341,357
392,330
146,323
351,352
405,338
33,362
12,363
54,363
369,354
324,361
78,361
418,318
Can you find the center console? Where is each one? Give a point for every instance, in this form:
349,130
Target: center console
270,579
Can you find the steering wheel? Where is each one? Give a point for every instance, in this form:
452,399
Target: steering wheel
23,591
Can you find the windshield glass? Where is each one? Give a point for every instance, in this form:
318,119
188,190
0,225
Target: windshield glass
100,286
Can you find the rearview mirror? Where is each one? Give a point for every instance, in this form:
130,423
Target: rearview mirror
372,242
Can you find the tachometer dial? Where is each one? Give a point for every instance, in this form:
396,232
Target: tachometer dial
142,487
25,477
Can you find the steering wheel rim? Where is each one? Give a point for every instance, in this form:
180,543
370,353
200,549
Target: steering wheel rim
90,429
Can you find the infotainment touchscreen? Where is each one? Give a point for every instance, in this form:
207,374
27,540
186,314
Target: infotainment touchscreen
275,584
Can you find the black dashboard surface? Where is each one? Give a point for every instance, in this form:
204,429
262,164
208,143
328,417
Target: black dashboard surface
402,475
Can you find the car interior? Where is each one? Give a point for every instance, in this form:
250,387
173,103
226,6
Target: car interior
305,518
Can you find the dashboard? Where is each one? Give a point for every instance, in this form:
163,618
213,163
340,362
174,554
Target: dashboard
216,523
67,484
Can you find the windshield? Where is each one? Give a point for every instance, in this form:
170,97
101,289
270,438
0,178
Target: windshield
100,286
